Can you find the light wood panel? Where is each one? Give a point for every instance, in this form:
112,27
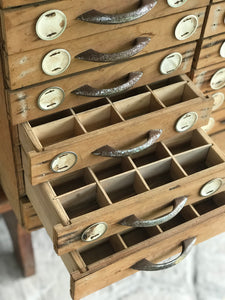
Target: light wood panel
21,22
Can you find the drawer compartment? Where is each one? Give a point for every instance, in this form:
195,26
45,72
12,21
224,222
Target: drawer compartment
47,98
21,22
114,258
51,142
143,36
128,188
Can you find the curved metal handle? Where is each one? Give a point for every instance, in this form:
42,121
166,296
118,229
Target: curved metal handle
94,16
92,55
107,151
133,221
89,91
145,265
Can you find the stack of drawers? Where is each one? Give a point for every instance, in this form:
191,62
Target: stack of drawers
106,133
209,73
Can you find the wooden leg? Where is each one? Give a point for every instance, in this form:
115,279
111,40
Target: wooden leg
22,244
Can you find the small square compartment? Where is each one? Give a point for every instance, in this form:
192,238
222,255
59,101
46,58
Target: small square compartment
209,204
137,106
185,215
185,142
112,167
90,105
71,182
99,118
197,160
100,250
160,173
165,82
52,130
175,93
130,93
138,235
83,201
154,153
123,186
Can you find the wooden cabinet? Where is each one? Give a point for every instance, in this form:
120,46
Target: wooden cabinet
104,131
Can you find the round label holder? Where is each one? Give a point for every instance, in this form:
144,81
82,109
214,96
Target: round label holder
56,62
186,27
51,24
218,100
186,121
211,187
51,98
171,63
63,162
218,79
94,232
176,3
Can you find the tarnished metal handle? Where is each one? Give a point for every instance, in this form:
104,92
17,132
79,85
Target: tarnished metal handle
89,91
107,151
145,265
94,16
133,221
92,55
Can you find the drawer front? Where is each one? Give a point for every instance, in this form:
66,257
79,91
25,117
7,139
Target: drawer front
53,148
210,52
22,22
13,3
203,224
127,192
203,78
46,63
215,22
24,102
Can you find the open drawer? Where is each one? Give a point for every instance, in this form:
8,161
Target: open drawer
149,189
115,127
97,265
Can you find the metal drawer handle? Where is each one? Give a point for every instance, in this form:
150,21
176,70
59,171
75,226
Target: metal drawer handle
92,55
89,91
107,151
94,16
133,221
145,265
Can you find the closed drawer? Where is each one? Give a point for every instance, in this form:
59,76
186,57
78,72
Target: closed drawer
21,22
130,189
215,22
115,257
77,138
210,79
24,103
211,51
13,3
46,63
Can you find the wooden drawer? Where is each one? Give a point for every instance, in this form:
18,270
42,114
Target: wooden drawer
215,22
178,167
112,259
121,124
42,64
21,22
23,103
13,3
202,78
208,51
